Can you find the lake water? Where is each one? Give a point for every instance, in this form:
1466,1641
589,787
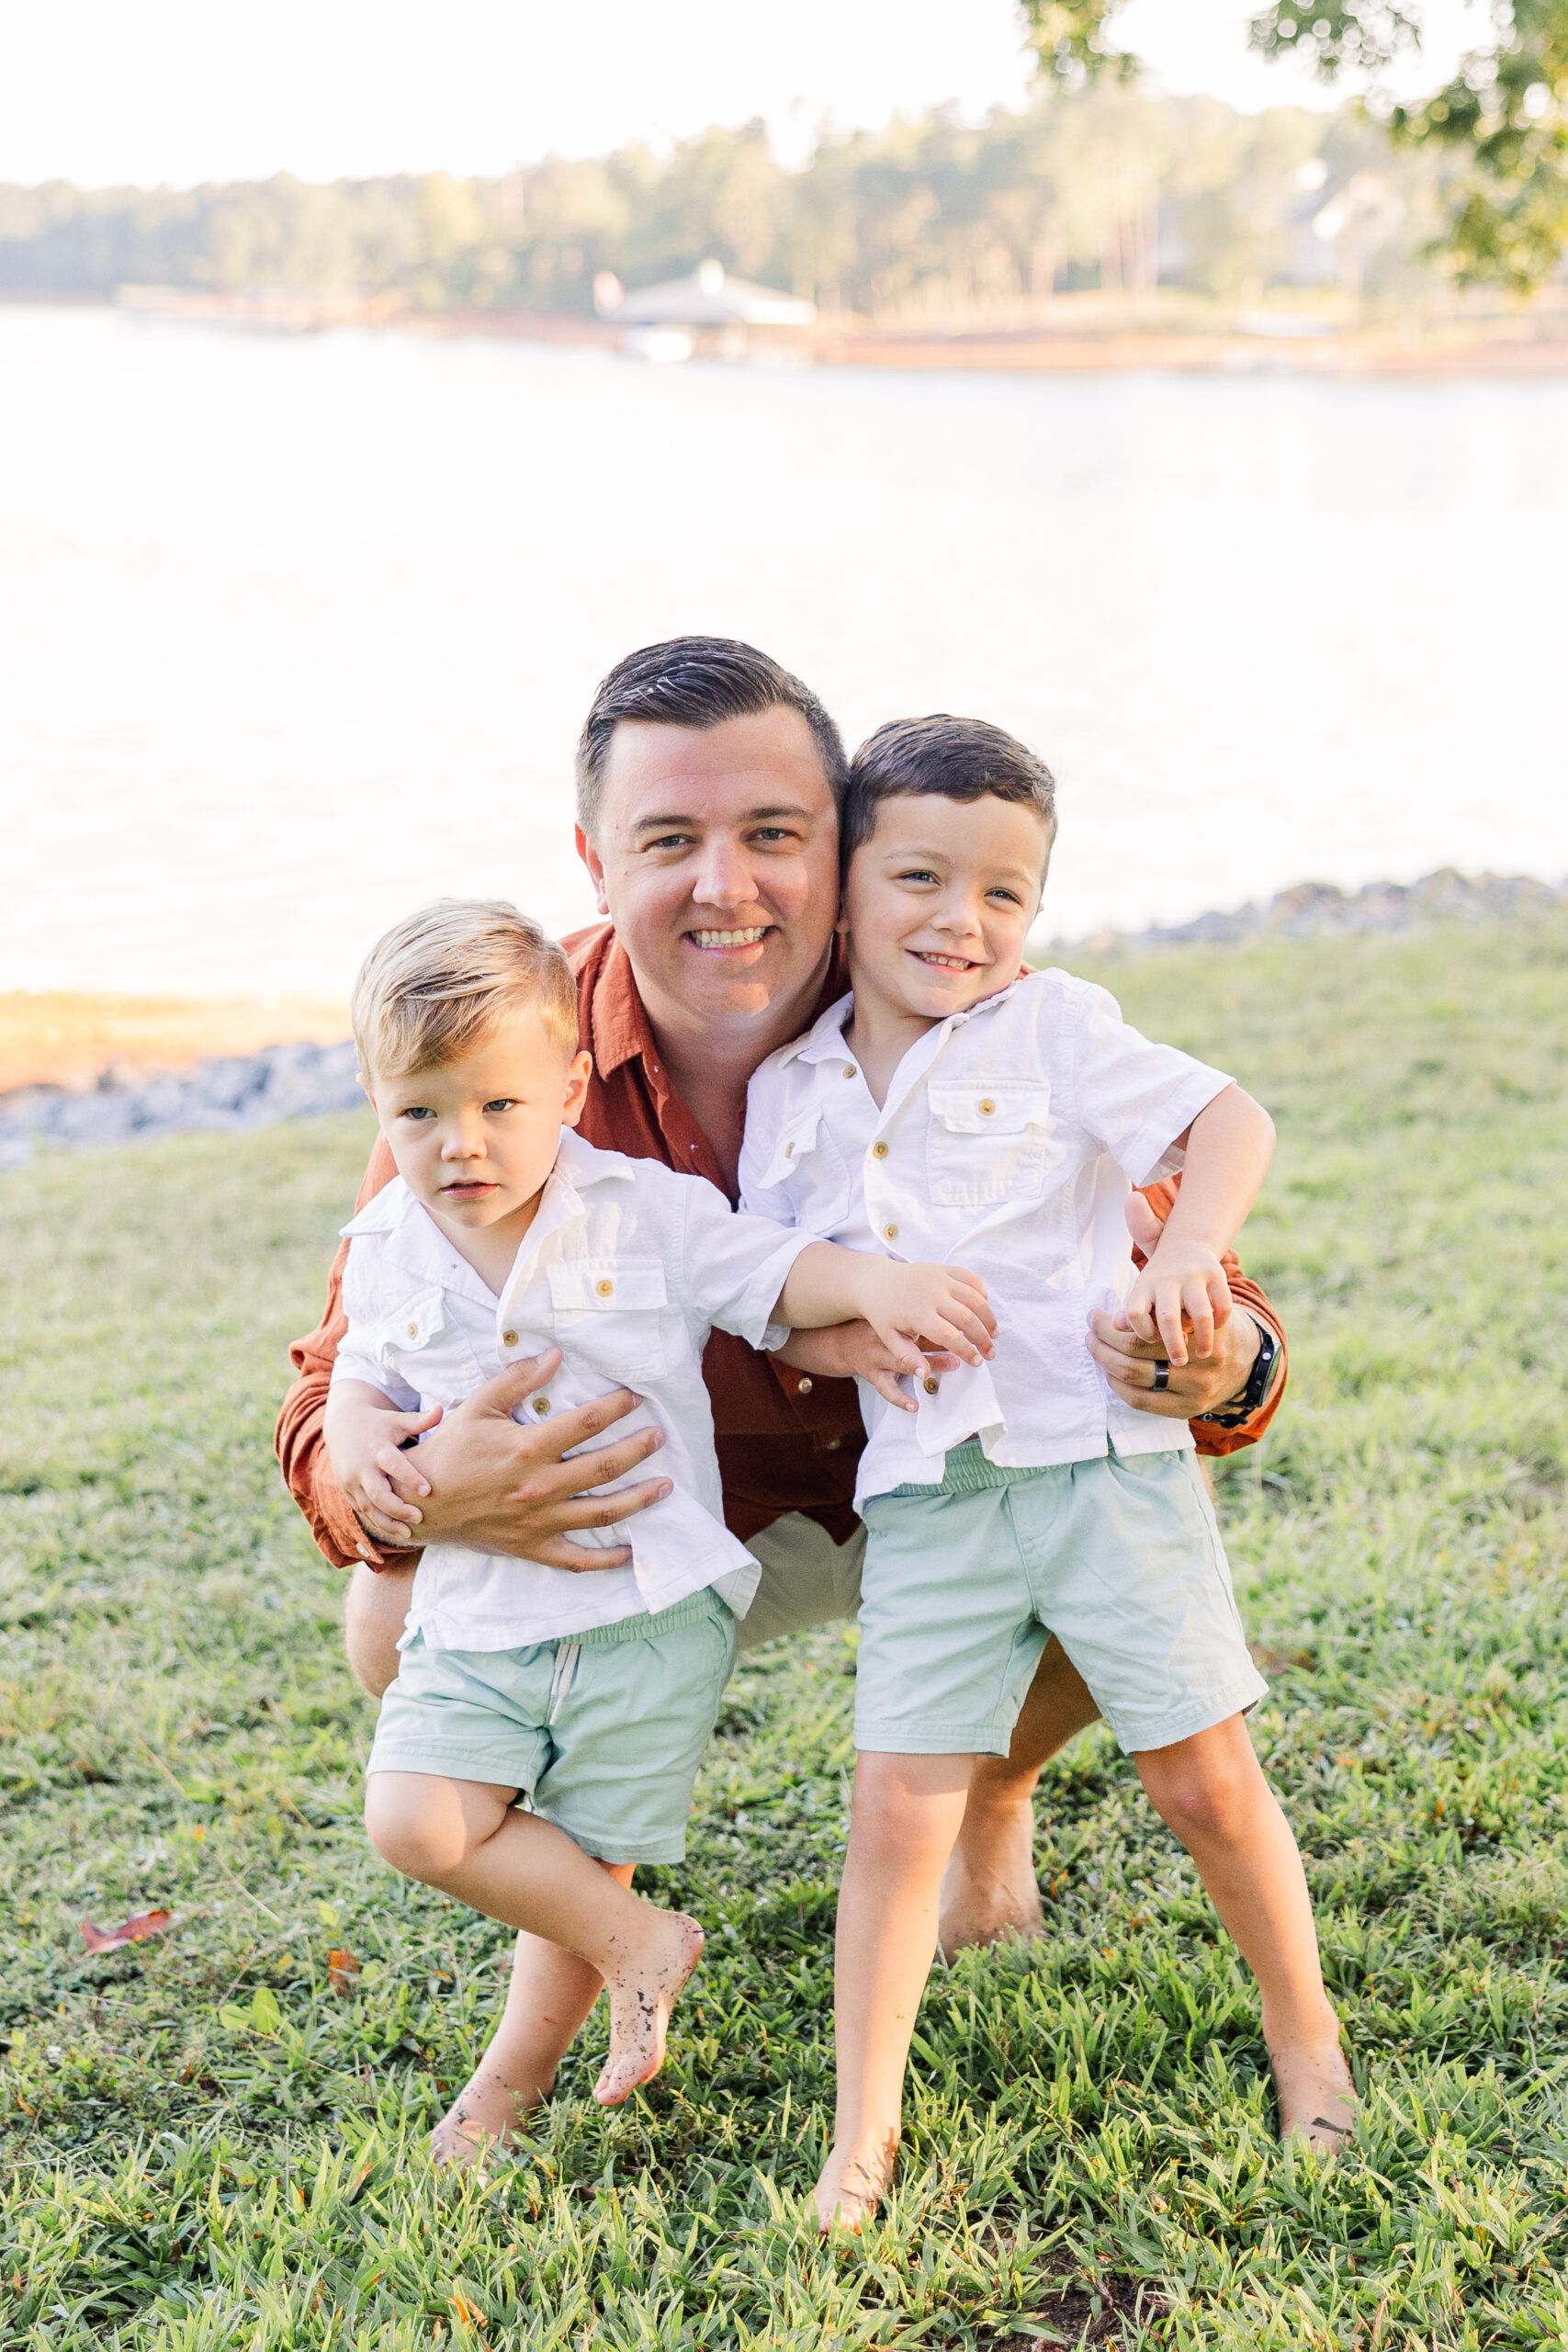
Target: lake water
298,633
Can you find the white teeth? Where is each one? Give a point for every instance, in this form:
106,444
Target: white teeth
731,938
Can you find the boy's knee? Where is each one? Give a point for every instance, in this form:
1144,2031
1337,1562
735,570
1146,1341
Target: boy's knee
894,1812
1203,1793
422,1835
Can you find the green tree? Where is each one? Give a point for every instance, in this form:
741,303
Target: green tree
1502,119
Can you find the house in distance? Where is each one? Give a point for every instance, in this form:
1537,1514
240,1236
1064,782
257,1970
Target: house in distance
708,314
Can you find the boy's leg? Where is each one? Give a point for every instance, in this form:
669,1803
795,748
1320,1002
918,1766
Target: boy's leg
548,1995
467,1837
903,1819
1210,1791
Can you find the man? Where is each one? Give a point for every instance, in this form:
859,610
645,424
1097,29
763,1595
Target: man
708,779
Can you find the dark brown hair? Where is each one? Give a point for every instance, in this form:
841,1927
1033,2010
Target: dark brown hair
695,681
960,759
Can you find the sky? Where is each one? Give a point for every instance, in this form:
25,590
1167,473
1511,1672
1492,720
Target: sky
173,92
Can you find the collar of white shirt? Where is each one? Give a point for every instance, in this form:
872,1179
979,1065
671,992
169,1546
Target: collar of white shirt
416,1243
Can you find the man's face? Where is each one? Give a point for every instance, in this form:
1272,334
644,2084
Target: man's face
716,856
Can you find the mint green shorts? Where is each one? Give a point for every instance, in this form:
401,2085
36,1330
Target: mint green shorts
1118,1557
601,1734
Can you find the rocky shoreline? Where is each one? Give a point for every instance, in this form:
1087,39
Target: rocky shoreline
236,1092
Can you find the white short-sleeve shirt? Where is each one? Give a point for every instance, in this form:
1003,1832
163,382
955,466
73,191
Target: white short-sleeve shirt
1011,1138
626,1269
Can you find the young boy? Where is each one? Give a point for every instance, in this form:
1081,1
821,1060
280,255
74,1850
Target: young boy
956,1106
587,1697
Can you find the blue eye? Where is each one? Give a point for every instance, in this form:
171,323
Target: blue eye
503,1103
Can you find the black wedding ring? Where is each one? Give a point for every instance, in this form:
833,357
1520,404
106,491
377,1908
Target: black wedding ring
1162,1374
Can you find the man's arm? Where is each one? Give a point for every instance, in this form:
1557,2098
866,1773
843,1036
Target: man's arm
494,1484
299,1439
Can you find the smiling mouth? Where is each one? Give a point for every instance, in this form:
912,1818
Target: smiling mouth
472,1190
944,963
752,936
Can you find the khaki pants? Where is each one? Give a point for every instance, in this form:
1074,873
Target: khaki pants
808,1580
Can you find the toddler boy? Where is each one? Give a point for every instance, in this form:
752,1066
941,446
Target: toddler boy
586,1697
955,1106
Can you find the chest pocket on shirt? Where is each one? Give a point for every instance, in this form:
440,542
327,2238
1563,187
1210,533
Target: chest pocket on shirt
809,1170
989,1140
423,1347
607,1314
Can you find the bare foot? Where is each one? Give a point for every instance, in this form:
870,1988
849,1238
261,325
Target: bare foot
484,2116
989,1889
644,1987
1317,2096
855,2182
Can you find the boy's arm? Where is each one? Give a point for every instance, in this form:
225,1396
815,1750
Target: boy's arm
366,1432
945,1305
1229,1148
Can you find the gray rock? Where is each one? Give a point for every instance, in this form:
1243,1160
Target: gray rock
1317,909
231,1091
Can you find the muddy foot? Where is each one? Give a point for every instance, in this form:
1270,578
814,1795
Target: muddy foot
484,2116
989,1889
1317,2096
854,2181
644,1988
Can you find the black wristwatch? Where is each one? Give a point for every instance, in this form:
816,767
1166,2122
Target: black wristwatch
1241,1407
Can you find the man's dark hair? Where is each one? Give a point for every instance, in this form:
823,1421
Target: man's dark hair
695,681
961,759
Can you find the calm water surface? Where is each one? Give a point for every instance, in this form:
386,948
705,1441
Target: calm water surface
299,633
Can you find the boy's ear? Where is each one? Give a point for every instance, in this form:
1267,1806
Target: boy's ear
576,1098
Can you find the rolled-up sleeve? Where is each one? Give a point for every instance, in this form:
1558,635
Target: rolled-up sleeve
1133,1096
734,1264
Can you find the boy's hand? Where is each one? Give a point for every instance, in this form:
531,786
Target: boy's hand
383,1487
915,1307
1182,1287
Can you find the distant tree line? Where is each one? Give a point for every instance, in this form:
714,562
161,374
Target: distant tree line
931,218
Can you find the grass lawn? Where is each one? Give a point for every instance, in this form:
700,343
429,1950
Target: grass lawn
208,2146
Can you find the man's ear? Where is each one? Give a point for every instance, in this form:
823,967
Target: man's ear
577,1078
596,865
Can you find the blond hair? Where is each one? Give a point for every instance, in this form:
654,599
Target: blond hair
442,980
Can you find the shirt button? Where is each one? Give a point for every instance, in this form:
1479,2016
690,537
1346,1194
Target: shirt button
890,1233
850,1070
805,1384
879,1151
541,1406
413,1331
831,1445
604,1286
986,1107
509,1339
930,1384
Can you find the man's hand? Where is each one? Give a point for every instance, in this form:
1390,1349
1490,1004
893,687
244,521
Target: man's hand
853,1352
1128,1362
496,1486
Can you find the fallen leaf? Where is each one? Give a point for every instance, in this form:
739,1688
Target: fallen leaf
343,1972
130,1931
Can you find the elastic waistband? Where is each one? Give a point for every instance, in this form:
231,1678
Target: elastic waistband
968,1473
690,1612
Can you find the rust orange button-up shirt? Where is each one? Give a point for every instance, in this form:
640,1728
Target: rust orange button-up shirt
784,1442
